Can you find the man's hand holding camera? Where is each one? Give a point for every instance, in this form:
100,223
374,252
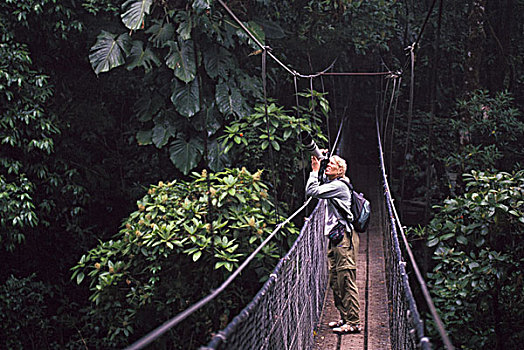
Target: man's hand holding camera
315,162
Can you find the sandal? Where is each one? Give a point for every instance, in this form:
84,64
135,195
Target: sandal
348,329
335,324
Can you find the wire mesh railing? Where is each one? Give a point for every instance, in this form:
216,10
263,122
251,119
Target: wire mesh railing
406,327
284,313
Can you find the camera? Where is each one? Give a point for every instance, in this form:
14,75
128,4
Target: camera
312,147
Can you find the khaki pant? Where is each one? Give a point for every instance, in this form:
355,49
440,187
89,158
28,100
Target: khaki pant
342,260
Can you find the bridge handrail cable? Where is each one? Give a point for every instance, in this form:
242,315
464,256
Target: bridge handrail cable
395,222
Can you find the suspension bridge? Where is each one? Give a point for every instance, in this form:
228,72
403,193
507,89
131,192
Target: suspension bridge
371,279
295,305
292,309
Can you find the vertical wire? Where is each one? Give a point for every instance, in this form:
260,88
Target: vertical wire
270,146
327,115
300,137
384,95
393,128
385,130
410,118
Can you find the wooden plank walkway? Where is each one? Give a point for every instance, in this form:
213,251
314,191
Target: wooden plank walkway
371,280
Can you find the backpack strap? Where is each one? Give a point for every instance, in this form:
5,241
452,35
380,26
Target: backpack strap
338,207
344,213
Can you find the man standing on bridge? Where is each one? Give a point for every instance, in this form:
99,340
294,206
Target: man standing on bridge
342,256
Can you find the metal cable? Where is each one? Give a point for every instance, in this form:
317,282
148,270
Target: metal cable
289,70
424,24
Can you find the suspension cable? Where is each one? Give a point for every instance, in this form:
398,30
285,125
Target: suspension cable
270,54
420,279
410,119
356,73
425,22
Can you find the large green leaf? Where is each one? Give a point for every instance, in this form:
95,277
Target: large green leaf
213,119
161,33
217,158
138,56
109,51
160,136
135,12
229,99
185,24
148,105
185,155
217,62
251,85
164,129
186,98
181,58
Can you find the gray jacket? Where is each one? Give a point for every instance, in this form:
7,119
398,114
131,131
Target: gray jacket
335,190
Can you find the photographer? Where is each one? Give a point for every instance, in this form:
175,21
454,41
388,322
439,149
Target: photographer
342,252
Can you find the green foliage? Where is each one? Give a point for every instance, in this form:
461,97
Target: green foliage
17,211
26,137
23,314
31,179
477,281
492,129
25,13
482,133
197,46
108,51
98,6
134,12
247,140
204,227
365,25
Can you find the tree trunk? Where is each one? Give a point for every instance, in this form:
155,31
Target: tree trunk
432,101
499,333
474,46
499,27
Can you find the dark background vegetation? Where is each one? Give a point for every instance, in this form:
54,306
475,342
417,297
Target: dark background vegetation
81,146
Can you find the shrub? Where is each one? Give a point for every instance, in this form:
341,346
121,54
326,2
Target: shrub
23,314
183,241
477,280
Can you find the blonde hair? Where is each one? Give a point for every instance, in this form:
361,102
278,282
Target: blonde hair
342,165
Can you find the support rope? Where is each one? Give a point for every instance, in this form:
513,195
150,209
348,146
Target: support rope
289,70
424,24
410,118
